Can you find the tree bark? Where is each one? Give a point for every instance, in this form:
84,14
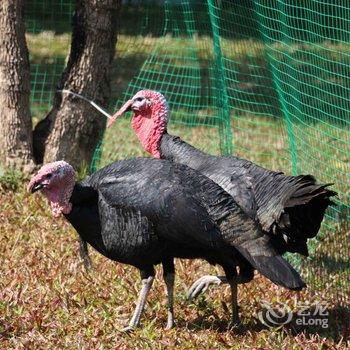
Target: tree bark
16,125
73,128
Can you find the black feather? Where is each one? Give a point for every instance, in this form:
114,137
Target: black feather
289,207
145,211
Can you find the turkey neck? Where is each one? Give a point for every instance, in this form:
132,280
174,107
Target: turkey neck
179,151
176,150
84,216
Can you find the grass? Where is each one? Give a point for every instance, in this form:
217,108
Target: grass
48,301
10,180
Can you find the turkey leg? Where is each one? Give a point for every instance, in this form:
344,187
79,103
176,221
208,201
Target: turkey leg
169,278
146,287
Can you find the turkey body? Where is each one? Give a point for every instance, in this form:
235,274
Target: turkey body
289,208
143,212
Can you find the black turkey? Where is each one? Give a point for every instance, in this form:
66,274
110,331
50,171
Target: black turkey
290,208
144,212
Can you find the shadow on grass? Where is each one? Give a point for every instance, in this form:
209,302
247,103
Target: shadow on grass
330,264
336,326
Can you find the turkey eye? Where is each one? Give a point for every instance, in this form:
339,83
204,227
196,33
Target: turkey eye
48,176
139,99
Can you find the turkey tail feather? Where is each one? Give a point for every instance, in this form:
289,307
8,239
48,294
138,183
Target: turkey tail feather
276,269
305,210
292,205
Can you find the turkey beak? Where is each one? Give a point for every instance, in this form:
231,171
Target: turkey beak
125,108
36,187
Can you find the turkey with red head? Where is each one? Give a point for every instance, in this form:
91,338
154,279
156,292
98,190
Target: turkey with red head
288,208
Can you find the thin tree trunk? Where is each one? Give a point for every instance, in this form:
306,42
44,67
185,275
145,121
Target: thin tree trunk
72,129
16,125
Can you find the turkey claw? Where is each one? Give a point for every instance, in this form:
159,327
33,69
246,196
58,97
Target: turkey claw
128,329
202,284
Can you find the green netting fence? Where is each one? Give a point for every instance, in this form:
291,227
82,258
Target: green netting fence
268,80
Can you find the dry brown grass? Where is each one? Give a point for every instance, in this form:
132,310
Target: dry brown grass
48,301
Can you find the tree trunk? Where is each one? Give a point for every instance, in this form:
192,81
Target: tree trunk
16,125
73,128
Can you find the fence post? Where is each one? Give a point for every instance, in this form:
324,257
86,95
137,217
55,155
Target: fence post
221,92
286,111
278,82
